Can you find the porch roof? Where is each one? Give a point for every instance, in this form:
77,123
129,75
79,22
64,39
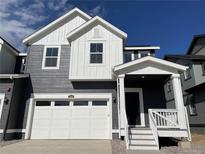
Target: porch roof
149,65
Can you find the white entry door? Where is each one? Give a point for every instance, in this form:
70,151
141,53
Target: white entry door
80,119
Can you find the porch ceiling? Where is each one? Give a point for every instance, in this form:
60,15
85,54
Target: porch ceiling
146,78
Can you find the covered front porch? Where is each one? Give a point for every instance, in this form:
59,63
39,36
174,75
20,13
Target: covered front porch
144,85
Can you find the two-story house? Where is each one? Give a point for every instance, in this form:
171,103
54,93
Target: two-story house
12,87
193,82
85,83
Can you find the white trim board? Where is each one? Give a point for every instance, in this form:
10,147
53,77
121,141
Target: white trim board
142,48
13,130
44,57
2,96
100,20
141,100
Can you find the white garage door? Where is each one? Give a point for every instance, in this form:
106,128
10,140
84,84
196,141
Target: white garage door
71,120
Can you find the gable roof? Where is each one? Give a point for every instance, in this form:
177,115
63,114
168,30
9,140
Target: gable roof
194,40
150,59
55,22
12,48
100,20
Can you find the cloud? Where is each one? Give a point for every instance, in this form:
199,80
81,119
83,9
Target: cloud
14,31
16,25
57,4
98,11
27,16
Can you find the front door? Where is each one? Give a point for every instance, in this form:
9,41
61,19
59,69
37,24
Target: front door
133,108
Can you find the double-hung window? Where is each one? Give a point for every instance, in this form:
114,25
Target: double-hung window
96,53
51,58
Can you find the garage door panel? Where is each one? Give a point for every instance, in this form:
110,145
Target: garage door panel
40,134
60,124
80,134
82,120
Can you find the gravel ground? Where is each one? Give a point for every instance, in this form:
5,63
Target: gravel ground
193,149
118,147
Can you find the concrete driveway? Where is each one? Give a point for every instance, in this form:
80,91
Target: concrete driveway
58,147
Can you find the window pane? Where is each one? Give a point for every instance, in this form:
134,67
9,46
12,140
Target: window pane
52,52
127,57
51,62
62,103
43,103
99,47
99,103
80,103
93,47
96,58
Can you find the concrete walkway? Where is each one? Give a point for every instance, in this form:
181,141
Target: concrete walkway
58,147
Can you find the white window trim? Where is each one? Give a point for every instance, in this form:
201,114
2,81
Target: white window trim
103,52
141,104
2,96
44,56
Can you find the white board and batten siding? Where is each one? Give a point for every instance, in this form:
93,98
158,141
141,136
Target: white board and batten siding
58,35
80,67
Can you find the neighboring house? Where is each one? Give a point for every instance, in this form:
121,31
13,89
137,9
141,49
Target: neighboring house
193,82
85,83
11,89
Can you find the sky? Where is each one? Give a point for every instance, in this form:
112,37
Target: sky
168,24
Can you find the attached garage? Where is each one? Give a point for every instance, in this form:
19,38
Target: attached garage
82,118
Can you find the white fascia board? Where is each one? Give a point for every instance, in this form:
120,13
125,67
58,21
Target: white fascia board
27,39
97,18
23,54
76,95
13,76
152,59
143,48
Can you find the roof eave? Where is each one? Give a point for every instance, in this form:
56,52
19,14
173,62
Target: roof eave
96,18
35,34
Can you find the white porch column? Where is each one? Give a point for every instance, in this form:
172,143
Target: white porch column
122,103
179,101
29,119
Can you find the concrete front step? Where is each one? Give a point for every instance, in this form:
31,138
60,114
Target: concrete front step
140,131
143,147
142,142
141,136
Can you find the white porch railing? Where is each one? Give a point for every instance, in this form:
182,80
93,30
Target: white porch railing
165,118
153,127
126,129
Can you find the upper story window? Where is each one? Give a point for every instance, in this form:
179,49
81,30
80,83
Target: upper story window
127,56
203,68
96,53
187,73
144,54
51,57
